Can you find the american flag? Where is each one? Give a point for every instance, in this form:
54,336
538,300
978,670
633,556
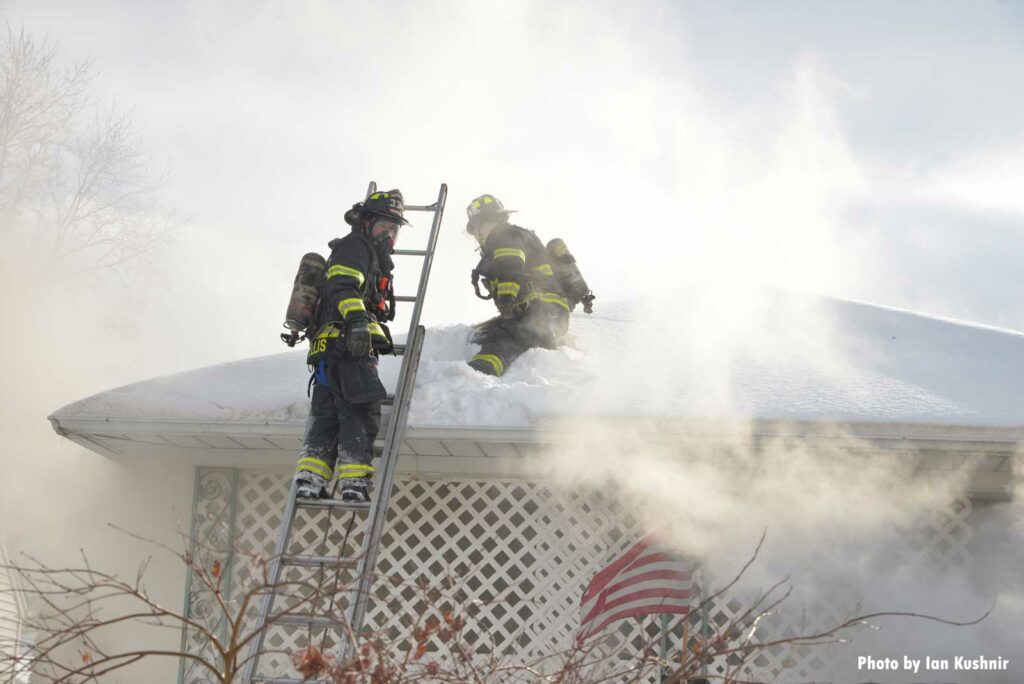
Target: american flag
645,578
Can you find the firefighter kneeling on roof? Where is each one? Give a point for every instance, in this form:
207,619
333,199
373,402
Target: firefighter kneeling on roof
534,287
356,298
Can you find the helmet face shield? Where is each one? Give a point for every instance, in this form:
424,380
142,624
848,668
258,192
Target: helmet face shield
383,229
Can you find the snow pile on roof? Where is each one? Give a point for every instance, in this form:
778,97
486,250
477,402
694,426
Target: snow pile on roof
540,383
835,360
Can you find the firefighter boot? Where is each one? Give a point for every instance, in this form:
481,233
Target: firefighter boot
310,485
355,490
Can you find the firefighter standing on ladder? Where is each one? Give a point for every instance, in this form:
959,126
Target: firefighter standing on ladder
356,299
517,272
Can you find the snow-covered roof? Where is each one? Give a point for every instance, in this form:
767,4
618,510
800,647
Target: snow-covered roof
871,364
786,357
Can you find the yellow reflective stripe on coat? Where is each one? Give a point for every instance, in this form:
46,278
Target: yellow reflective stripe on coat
315,465
327,331
354,470
375,329
499,367
509,252
347,306
543,269
507,288
339,270
549,298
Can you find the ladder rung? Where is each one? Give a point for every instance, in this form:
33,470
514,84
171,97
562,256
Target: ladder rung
421,207
388,400
410,252
331,504
314,620
326,561
405,298
399,349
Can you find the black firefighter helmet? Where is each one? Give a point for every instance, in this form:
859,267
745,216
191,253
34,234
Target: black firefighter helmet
389,205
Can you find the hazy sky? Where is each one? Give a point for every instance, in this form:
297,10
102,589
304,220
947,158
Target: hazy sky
862,150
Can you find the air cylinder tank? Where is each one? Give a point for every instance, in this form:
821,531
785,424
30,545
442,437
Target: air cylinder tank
305,292
569,276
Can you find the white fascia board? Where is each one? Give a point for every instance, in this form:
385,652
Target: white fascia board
897,436
729,430
77,425
69,426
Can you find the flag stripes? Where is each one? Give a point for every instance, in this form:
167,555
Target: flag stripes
645,578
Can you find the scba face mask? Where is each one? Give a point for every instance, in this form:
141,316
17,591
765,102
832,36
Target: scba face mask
384,230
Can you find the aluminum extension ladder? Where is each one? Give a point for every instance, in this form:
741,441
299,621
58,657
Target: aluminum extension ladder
365,563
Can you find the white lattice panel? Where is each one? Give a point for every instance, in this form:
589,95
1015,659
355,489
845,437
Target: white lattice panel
521,554
944,539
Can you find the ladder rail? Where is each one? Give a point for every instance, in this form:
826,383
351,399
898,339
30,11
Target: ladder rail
396,428
276,566
428,258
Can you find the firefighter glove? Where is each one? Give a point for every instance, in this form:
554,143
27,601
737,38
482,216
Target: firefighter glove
357,338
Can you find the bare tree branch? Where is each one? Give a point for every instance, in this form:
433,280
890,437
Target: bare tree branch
72,175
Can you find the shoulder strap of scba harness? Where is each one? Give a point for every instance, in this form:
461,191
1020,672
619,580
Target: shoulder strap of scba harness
380,292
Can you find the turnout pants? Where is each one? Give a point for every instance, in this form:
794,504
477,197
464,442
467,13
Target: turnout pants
339,437
503,340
